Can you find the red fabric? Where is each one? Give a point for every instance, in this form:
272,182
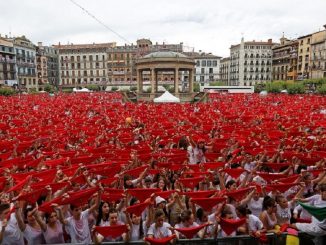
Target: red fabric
79,198
231,225
143,193
299,220
277,166
192,231
136,171
213,165
280,187
46,206
208,203
19,185
138,208
234,172
239,194
269,177
198,194
190,182
33,196
112,197
108,181
160,241
112,231
165,194
290,179
284,227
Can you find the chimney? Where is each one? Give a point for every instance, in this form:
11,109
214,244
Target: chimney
40,44
270,40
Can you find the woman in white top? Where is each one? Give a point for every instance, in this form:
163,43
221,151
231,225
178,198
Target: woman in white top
52,229
268,216
10,234
187,221
32,230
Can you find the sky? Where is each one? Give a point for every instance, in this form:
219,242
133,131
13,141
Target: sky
208,25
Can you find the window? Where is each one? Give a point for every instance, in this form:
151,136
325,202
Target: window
209,63
210,70
214,62
202,70
203,63
197,63
202,78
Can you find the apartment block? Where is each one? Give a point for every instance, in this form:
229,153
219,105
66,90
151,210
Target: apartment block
285,60
7,63
318,54
251,63
47,65
225,70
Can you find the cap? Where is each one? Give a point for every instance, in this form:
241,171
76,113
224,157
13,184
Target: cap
159,199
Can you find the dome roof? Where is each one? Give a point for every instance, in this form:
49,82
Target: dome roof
165,54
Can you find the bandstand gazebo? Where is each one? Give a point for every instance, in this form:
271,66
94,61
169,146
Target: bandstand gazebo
165,64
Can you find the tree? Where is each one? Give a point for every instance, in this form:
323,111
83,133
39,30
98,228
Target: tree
49,88
114,88
322,89
217,83
7,91
196,87
296,88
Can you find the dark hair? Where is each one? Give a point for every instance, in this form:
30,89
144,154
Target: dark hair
200,213
185,215
158,213
229,183
125,179
4,206
243,210
300,168
100,215
268,202
322,187
29,209
183,143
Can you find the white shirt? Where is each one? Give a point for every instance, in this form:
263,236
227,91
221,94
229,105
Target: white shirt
256,206
160,232
78,229
12,234
33,236
254,223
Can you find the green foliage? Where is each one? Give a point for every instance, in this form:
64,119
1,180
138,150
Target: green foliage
317,81
67,90
322,89
7,91
133,88
149,90
166,86
296,88
32,91
92,87
171,89
274,87
259,87
49,88
217,83
196,87
114,88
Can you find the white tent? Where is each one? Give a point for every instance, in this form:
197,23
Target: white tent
83,90
167,98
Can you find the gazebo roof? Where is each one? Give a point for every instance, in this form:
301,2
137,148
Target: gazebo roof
165,54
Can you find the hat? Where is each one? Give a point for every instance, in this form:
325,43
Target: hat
148,179
159,199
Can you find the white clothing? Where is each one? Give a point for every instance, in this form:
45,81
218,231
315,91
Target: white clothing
256,206
79,229
160,232
12,234
33,236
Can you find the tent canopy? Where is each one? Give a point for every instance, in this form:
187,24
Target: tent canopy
167,98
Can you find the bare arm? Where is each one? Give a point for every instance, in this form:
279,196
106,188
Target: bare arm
60,214
40,221
20,221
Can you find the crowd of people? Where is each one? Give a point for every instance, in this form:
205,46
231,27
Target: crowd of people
90,168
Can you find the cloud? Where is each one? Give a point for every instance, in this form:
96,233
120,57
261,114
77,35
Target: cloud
209,25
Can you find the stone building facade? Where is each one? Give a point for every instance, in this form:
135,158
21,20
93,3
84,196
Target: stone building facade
7,63
225,70
251,63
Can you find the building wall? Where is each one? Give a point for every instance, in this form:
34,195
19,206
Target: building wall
207,68
250,63
285,60
304,51
225,70
7,63
318,54
26,63
47,65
